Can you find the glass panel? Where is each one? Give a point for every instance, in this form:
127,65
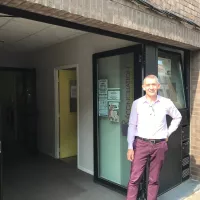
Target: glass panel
115,96
170,78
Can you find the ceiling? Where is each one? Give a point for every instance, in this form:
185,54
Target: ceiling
19,34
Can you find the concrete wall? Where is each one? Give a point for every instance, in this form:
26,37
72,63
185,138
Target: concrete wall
75,51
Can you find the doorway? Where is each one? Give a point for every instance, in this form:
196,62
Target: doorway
18,106
18,121
118,78
66,98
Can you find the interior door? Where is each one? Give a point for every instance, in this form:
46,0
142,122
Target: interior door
26,115
68,113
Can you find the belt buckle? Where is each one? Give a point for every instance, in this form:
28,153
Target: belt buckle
153,141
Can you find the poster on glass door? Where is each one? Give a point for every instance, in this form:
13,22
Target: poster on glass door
103,105
113,94
103,96
103,86
113,111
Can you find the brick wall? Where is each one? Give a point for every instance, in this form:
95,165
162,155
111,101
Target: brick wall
195,115
188,9
120,16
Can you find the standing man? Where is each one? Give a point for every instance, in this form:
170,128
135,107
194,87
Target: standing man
149,133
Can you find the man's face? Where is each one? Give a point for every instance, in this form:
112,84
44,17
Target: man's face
151,87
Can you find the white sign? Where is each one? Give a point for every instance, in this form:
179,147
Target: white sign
73,92
113,95
114,105
103,105
103,86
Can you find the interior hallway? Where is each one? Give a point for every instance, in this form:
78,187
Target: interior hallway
41,177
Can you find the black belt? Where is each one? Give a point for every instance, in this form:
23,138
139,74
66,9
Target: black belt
154,141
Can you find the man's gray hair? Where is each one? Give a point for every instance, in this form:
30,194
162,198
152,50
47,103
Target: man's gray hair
152,77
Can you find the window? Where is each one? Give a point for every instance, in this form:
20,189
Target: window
170,77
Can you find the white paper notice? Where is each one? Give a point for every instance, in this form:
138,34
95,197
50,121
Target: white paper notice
113,95
103,105
103,86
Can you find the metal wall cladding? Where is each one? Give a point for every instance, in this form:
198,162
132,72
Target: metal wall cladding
185,168
185,148
185,133
185,118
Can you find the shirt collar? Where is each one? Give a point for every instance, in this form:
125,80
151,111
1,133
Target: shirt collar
144,99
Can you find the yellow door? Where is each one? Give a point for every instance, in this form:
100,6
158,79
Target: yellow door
68,119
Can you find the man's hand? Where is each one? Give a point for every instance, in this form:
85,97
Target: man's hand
130,154
167,139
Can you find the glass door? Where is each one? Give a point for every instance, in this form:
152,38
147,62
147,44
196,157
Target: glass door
171,77
1,157
117,81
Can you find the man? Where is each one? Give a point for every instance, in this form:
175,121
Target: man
148,134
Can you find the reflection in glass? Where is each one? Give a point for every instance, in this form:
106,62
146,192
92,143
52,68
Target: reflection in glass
170,78
115,96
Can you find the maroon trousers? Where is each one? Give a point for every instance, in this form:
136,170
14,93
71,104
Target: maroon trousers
156,152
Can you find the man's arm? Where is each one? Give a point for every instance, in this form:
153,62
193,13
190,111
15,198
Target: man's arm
132,125
176,117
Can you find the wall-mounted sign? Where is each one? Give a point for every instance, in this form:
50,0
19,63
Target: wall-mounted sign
73,96
73,91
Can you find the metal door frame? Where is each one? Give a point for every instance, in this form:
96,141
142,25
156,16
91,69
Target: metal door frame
138,61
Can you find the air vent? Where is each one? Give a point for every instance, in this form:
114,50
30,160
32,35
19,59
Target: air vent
185,173
185,161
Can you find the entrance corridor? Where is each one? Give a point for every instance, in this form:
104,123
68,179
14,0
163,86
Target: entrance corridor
40,177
